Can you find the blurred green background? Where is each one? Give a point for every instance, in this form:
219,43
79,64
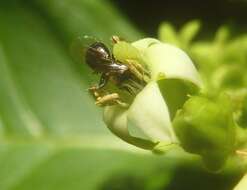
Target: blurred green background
51,133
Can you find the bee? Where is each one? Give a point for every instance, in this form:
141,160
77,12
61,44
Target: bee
127,76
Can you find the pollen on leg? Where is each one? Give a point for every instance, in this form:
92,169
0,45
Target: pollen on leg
109,99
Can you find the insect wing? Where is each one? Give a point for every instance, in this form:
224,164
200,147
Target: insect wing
79,47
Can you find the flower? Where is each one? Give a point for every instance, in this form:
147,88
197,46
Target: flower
148,120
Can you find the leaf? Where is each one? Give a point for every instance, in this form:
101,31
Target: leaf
52,135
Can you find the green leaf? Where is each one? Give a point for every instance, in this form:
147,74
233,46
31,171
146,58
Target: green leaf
52,136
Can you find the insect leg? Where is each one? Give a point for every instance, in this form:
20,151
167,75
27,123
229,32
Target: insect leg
103,80
110,99
128,88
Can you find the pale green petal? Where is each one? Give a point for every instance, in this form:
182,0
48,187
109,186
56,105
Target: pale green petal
115,117
242,185
123,51
145,43
148,116
176,92
167,61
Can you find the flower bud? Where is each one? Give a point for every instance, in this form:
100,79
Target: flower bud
206,127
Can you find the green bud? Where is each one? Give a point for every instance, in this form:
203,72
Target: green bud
125,51
243,117
206,127
229,77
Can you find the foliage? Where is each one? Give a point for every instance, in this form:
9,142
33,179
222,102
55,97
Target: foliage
221,61
222,64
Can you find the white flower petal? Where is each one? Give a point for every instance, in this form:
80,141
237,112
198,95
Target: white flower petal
167,61
115,117
148,116
145,43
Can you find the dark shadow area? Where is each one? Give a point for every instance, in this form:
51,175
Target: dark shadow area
182,177
147,15
124,182
187,177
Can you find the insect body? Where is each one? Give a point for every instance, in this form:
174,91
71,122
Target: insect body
98,57
125,76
